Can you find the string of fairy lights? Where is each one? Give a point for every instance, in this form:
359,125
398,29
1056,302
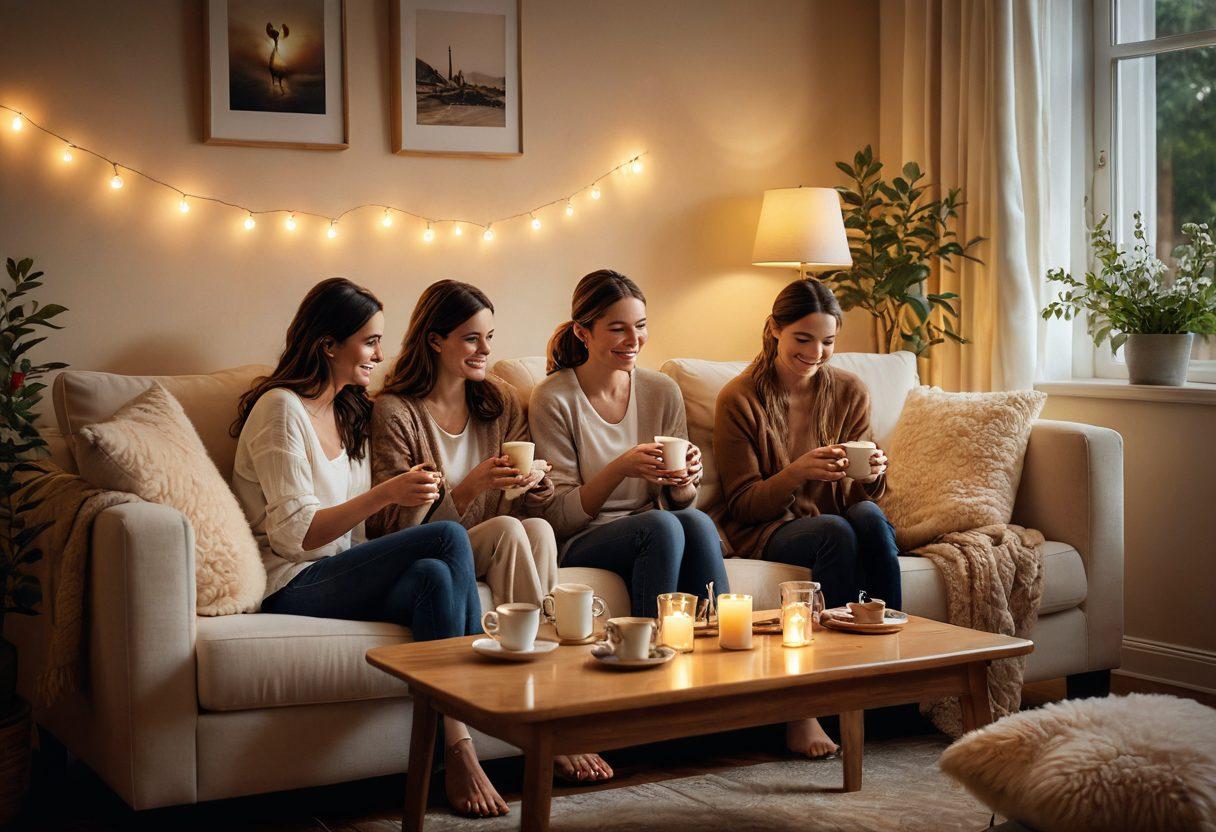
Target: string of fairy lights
69,150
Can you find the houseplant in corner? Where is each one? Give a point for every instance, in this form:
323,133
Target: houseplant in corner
20,443
1134,302
897,234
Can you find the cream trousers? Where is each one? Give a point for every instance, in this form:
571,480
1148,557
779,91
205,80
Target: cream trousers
517,558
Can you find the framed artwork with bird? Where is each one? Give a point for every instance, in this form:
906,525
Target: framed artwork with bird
276,73
456,80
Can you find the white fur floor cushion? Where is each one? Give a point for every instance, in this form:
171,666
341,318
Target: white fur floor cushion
150,448
956,459
1136,762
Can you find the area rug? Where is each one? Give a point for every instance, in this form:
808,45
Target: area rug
902,789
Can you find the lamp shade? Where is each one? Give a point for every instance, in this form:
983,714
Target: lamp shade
801,228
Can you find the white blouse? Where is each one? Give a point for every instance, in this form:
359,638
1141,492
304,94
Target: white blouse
282,478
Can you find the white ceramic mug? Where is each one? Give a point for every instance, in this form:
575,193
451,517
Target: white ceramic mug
631,639
513,626
675,452
859,454
521,455
573,608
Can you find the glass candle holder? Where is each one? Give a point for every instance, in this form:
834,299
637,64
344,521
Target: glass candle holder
676,613
800,600
735,622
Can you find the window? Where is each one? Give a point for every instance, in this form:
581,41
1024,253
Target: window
1155,131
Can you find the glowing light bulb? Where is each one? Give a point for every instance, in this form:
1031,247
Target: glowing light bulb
250,222
595,192
429,234
332,231
458,231
388,219
183,206
636,166
18,122
569,209
535,224
116,180
67,154
291,222
488,235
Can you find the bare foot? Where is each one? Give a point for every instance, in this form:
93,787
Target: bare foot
807,737
468,789
582,767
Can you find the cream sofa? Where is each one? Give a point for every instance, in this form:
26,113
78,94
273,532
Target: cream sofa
179,708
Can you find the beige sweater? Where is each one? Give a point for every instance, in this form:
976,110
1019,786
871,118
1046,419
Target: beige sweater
403,435
749,452
556,413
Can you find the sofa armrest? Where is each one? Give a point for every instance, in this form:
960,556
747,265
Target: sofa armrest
142,679
1072,491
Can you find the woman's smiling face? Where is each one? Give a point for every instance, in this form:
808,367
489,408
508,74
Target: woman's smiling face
806,344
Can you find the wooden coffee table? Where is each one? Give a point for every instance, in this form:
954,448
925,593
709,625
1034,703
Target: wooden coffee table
564,704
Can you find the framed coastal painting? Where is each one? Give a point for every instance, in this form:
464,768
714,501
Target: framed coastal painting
456,77
276,73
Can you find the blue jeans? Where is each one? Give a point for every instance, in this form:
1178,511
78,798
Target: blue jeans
845,553
655,552
420,577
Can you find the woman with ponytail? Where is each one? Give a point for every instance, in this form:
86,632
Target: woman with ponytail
617,503
302,476
778,429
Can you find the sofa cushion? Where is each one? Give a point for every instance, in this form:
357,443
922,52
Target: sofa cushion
85,398
521,373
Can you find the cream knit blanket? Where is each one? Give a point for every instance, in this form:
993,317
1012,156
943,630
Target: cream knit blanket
994,583
70,504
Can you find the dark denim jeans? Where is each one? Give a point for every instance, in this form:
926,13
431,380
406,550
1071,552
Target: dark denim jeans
420,577
655,552
845,553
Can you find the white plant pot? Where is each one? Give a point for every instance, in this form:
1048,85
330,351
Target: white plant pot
1158,359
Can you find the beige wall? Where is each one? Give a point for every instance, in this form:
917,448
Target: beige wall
729,98
1169,459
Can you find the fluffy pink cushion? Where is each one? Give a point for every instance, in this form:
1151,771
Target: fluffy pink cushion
150,448
956,459
1142,761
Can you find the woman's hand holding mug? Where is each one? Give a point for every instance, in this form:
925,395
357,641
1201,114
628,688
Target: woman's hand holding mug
642,462
826,464
418,486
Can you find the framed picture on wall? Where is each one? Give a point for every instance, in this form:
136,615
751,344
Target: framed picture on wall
456,77
276,73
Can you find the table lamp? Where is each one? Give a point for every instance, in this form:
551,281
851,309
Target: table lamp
803,229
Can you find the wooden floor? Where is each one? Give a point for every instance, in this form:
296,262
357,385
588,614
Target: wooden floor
69,798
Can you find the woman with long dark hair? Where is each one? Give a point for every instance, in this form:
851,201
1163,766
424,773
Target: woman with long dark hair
440,406
302,475
778,429
617,504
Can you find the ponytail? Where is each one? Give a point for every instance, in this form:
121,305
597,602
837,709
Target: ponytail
565,349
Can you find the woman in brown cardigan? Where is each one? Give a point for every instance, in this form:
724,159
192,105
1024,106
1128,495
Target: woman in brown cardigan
439,406
777,433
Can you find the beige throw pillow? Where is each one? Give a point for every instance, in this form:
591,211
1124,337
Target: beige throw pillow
1136,762
956,459
150,448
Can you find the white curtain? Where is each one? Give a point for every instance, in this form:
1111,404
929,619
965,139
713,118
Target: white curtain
985,95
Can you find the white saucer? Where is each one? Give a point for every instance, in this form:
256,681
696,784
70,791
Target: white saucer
600,655
490,647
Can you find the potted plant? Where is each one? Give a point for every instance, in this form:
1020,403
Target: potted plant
897,233
20,443
1133,301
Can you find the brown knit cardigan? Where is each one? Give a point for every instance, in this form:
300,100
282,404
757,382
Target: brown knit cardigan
749,452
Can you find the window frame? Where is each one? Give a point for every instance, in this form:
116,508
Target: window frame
1108,53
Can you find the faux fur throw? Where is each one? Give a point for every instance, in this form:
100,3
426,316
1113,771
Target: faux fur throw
994,583
69,504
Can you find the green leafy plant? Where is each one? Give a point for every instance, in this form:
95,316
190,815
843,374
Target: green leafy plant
20,443
896,232
1132,293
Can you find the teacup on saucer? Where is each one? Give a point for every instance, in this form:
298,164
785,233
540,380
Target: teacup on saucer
868,612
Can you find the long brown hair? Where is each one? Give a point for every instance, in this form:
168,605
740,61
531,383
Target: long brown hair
592,297
442,307
331,312
803,297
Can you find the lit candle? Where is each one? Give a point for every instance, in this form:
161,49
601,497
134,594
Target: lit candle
794,625
677,631
735,622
